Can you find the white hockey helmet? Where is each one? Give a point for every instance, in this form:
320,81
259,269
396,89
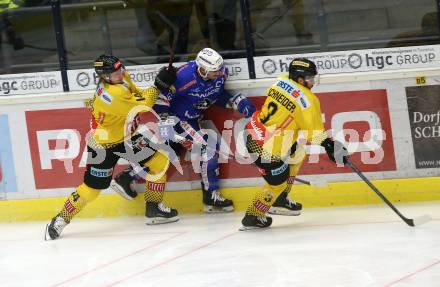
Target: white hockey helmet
209,60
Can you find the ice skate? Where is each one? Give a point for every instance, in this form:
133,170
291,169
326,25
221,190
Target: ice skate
54,228
213,202
283,205
121,184
255,222
157,213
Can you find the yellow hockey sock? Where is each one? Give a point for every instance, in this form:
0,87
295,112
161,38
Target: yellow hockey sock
154,191
156,178
77,201
264,199
295,163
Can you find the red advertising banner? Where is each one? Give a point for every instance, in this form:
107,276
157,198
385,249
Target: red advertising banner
57,139
56,142
362,115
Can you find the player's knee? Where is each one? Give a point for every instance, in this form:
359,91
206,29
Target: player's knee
87,193
296,159
277,189
156,179
158,164
294,170
213,163
97,177
276,174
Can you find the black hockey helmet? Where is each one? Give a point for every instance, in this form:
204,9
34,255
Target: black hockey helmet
301,68
107,64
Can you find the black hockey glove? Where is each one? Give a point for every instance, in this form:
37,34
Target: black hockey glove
165,78
335,151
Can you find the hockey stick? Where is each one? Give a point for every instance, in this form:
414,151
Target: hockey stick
198,139
411,222
314,183
271,23
173,32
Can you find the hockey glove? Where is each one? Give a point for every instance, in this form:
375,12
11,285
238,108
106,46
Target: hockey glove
243,105
165,79
335,151
187,144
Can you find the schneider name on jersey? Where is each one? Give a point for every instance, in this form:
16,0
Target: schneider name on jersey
289,108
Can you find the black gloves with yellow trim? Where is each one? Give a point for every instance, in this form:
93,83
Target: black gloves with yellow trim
165,79
335,151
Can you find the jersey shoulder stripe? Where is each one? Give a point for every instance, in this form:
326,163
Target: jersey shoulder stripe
102,94
186,77
294,90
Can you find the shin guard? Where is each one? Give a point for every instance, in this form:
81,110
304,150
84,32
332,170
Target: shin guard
77,201
264,199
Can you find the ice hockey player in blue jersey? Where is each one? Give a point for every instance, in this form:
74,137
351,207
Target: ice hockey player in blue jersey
200,84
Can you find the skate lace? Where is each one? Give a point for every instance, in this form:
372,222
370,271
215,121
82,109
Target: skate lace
164,208
262,219
216,196
290,202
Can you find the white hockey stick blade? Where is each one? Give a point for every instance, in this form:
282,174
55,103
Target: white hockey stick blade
422,219
318,182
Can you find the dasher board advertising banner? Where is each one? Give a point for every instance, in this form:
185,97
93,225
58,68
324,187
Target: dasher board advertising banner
30,83
424,114
265,67
87,79
143,75
7,170
57,139
354,61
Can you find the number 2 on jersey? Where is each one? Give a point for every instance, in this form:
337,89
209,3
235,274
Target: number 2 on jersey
271,110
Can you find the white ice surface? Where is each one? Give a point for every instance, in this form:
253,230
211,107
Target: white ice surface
331,247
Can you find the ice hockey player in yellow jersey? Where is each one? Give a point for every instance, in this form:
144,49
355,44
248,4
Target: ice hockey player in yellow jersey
290,107
114,122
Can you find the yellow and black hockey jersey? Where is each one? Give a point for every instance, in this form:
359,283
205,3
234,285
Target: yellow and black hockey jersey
115,110
289,108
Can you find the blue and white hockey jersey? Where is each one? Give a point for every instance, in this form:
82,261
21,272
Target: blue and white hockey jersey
193,94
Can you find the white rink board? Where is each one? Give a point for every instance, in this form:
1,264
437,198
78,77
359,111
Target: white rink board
143,75
354,61
14,108
30,83
329,63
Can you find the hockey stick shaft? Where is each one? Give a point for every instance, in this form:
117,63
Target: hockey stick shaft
303,181
408,221
230,156
274,20
173,31
314,183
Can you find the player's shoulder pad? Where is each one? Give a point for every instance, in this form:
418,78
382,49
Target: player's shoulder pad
186,77
296,91
127,78
105,93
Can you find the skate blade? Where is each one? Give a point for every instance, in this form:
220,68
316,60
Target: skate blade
214,209
283,211
161,220
119,190
251,228
46,234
